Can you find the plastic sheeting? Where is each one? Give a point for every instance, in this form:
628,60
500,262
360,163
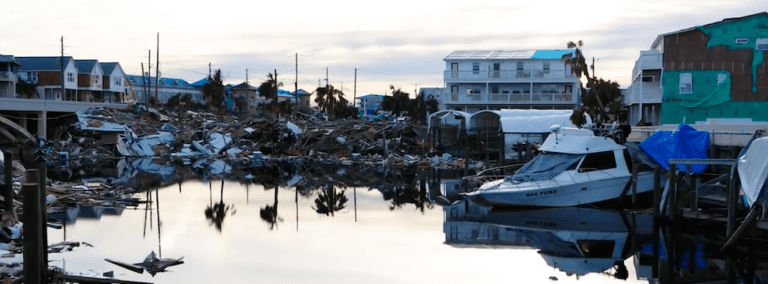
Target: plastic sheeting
684,143
753,169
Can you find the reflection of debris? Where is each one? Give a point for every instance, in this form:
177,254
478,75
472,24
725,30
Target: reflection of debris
151,263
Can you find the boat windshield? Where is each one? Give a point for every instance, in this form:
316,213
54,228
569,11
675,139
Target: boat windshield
545,166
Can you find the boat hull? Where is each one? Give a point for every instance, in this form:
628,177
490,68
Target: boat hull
560,194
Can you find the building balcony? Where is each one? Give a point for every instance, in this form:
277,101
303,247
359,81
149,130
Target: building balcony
643,93
516,98
505,76
7,76
649,60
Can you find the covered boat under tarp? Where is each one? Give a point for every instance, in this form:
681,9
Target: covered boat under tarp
683,143
753,170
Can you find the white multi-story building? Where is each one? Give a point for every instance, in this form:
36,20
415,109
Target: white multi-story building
643,97
478,80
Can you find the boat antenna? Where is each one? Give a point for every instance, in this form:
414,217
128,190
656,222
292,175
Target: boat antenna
555,128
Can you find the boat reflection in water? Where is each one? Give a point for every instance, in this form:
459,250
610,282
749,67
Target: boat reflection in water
576,241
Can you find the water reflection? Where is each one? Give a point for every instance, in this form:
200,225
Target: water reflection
577,241
328,200
215,212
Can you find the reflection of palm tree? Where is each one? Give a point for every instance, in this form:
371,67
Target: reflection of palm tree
328,201
269,213
215,213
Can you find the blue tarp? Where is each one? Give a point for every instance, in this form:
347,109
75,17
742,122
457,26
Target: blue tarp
684,143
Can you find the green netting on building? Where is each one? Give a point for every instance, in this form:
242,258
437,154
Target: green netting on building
741,34
696,95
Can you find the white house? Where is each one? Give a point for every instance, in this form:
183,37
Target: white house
90,83
114,82
46,73
508,79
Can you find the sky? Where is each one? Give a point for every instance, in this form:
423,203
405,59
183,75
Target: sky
398,42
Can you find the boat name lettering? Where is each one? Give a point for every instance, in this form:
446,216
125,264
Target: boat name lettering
541,193
540,223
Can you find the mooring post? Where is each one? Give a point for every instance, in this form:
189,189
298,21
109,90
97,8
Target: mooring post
732,196
8,172
635,170
656,191
672,193
42,166
33,262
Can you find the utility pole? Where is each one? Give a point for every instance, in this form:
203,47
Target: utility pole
143,85
296,82
63,90
157,69
354,92
326,77
246,76
149,73
209,70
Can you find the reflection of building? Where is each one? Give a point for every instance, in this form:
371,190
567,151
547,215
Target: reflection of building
495,79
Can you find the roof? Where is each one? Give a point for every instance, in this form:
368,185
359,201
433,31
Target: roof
370,96
40,63
165,82
302,92
200,83
243,85
86,65
284,94
508,54
659,37
108,67
8,59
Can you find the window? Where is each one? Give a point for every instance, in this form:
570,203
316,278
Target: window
95,79
454,70
742,40
32,77
454,89
70,77
761,44
496,69
495,89
475,68
648,79
686,83
546,67
598,161
520,66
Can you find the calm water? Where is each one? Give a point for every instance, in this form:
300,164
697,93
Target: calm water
391,233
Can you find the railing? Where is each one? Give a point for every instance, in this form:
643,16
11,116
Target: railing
514,98
649,92
7,76
504,75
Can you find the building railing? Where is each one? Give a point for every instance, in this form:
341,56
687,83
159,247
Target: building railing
7,76
644,92
503,75
514,98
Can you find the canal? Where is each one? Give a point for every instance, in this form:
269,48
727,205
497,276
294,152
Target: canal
329,224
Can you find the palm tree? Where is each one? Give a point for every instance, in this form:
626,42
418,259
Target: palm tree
600,91
329,201
329,98
269,213
268,90
213,91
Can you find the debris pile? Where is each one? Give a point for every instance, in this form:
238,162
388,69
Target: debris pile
145,132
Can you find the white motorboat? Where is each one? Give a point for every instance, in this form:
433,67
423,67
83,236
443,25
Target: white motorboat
574,168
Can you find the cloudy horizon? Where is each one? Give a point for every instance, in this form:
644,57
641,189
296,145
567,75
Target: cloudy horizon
400,43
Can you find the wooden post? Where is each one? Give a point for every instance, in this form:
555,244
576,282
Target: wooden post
672,197
733,194
8,172
635,170
656,191
33,261
42,178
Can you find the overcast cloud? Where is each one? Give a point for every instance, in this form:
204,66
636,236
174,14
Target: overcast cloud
390,42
